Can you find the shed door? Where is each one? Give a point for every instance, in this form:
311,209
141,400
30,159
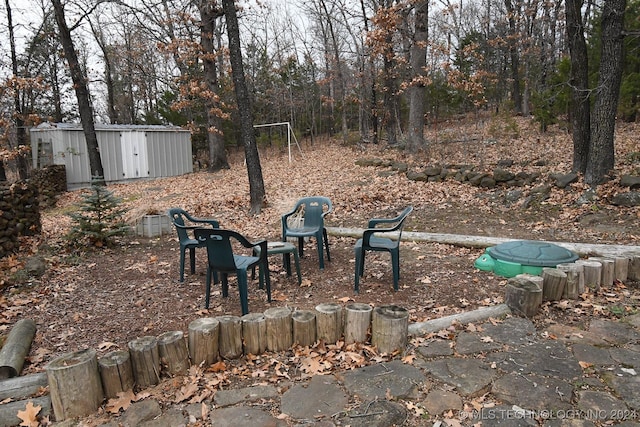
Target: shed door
135,163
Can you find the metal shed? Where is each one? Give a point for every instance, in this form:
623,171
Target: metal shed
128,151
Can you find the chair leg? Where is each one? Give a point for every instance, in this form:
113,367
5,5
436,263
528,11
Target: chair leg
301,246
362,257
267,278
297,262
358,270
260,276
326,243
225,285
395,265
192,259
242,289
286,262
182,256
319,244
207,290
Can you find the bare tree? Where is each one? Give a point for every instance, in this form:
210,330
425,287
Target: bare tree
418,61
580,101
217,153
82,94
256,183
21,132
513,13
601,158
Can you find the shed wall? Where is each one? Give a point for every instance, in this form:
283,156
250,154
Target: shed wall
169,153
126,153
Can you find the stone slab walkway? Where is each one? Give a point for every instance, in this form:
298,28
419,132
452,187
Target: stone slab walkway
502,374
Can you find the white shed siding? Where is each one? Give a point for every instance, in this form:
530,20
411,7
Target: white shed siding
134,154
127,152
111,155
170,153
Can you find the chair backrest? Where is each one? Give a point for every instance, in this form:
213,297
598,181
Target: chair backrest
403,215
177,216
394,229
219,247
315,208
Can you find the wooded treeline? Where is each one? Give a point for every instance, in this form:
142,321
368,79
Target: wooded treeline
369,71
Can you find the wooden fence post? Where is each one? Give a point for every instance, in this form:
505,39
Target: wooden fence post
145,361
329,322
173,352
304,327
523,296
204,335
356,323
279,328
254,333
116,373
230,340
389,328
74,384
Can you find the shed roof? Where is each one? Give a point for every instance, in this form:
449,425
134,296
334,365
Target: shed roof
109,127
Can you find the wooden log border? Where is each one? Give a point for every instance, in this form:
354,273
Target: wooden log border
223,337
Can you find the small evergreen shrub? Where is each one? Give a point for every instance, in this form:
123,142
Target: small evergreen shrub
99,218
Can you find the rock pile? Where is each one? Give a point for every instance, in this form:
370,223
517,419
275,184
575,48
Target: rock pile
503,177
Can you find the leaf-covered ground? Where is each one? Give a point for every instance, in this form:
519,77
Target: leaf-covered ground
106,297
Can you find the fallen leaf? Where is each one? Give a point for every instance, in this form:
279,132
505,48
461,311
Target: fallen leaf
186,392
218,367
311,365
122,401
418,411
29,416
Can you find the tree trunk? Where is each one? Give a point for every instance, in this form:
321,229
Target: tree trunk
580,104
217,153
21,133
256,183
108,71
390,97
516,97
601,150
373,113
339,73
415,140
82,94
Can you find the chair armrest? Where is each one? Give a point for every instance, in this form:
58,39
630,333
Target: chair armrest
186,227
263,249
399,219
369,232
373,222
212,222
328,211
291,212
247,244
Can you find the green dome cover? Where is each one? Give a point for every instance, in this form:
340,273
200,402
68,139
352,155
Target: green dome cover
528,252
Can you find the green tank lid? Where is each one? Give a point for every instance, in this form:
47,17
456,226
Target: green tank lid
533,253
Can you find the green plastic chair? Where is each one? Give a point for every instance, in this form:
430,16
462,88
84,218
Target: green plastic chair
184,223
381,240
222,259
313,210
